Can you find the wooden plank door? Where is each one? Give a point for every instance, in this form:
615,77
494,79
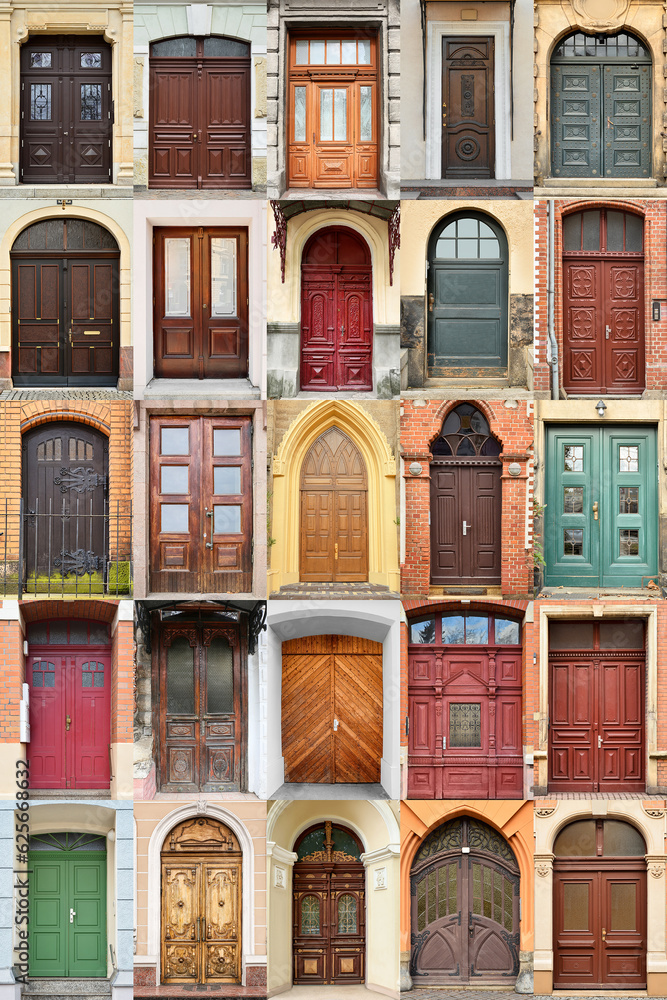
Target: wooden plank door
173,123
623,930
626,120
576,129
465,523
46,675
224,137
88,735
92,319
357,705
38,307
468,114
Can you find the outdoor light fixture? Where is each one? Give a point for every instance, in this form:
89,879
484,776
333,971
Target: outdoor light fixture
600,407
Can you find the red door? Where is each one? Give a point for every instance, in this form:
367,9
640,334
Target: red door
336,312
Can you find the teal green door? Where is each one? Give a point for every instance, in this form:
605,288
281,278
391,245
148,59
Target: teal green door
67,913
601,519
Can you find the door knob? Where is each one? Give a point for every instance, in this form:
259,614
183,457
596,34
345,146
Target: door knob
68,723
335,725
607,332
209,545
431,300
465,527
72,914
595,510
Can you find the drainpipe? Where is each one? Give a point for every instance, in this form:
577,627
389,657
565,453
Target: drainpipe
552,348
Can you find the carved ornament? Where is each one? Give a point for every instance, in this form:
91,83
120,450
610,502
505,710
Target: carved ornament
600,15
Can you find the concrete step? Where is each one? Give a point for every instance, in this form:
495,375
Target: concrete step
65,989
596,182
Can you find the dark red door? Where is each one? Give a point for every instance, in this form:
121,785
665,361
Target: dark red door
468,117
336,312
465,521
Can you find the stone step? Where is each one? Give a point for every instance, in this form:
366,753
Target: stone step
65,989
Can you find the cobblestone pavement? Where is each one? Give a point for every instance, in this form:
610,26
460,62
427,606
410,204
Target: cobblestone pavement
64,394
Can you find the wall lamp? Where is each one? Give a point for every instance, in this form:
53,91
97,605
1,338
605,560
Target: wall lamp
600,407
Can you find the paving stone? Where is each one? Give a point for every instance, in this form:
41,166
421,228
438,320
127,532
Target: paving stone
7,394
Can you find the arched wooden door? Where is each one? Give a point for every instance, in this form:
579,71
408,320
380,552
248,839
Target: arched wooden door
467,290
334,512
201,904
68,670
464,907
466,501
65,305
603,302
599,899
336,312
464,707
199,127
329,911
601,106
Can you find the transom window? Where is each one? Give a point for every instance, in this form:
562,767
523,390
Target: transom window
333,52
618,633
603,230
607,838
466,432
40,60
581,46
191,47
468,238
465,629
68,632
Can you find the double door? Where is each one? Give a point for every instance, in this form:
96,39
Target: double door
337,328
66,110
332,709
465,522
468,115
329,923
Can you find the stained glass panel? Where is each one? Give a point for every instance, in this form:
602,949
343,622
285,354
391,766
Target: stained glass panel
91,102
40,60
40,102
574,458
628,458
310,915
347,914
465,724
91,60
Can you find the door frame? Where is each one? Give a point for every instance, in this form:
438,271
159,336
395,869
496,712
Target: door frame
435,32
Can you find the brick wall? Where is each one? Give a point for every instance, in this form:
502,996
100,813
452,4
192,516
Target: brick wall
12,675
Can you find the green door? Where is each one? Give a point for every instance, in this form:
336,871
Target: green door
601,521
67,889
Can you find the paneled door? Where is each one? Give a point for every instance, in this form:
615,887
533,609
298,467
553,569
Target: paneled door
66,110
468,113
201,904
333,111
601,107
464,907
334,526
329,911
199,698
332,709
603,303
68,906
336,312
599,900
464,708
65,305
601,517
201,302
596,706
199,128
201,505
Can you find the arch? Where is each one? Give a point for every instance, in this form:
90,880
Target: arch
459,213
319,814
558,826
194,37
66,416
580,36
84,236
310,255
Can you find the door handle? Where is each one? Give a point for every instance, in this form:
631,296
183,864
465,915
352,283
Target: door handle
68,723
335,550
610,123
595,510
607,332
194,136
431,300
604,933
599,742
72,914
444,742
208,513
342,330
465,527
335,725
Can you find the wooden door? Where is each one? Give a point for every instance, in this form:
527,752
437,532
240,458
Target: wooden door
329,926
332,709
201,505
333,111
334,528
66,110
201,904
465,523
200,694
464,892
468,115
464,708
201,302
199,128
336,312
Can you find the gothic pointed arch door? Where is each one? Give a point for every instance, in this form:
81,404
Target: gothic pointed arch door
329,911
65,305
334,525
466,501
464,907
201,942
336,312
603,302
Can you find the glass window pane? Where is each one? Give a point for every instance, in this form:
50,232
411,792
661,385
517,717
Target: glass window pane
477,889
58,633
91,60
40,60
465,725
489,249
591,239
366,114
634,233
468,249
347,914
174,441
577,840
628,500
622,634
177,276
98,633
452,629
184,46
227,479
180,677
223,277
446,249
423,632
622,840
317,53
333,53
40,102
364,51
226,520
216,46
488,876
299,114
310,915
174,479
326,115
477,629
497,897
628,458
349,53
573,541
431,897
468,227
226,441
174,517
572,232
574,458
623,906
571,635
573,499
340,115
219,677
421,905
91,102
628,542
575,906
508,633
302,52
614,230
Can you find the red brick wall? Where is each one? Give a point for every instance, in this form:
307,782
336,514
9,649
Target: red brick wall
122,674
12,675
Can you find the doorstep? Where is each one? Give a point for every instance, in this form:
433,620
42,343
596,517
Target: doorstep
334,592
215,389
224,991
599,593
328,793
60,392
446,189
77,192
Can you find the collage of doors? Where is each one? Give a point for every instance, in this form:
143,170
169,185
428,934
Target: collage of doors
333,499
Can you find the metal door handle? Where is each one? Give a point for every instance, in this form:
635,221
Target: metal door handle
599,742
604,933
610,123
72,914
607,332
431,299
194,136
335,550
465,527
595,510
335,725
208,513
68,723
342,329
444,742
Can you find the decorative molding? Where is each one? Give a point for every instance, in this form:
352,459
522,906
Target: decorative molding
380,879
544,811
279,877
394,238
653,812
601,15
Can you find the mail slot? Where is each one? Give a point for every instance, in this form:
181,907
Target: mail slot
91,333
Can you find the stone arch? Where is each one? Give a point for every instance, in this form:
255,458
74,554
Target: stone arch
66,415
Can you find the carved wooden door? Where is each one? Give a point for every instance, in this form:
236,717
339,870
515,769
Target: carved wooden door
603,303
464,893
201,505
332,709
336,312
334,528
333,111
66,110
468,115
200,302
464,707
200,692
329,925
201,904
199,129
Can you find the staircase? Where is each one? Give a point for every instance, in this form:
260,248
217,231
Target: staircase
67,989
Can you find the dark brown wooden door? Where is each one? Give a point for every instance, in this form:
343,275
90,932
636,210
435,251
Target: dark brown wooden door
468,115
200,702
66,110
332,709
329,920
333,116
201,302
334,527
465,522
201,505
336,312
603,303
199,129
